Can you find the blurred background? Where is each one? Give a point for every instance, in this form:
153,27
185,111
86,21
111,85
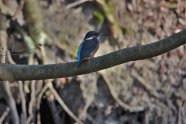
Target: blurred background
150,91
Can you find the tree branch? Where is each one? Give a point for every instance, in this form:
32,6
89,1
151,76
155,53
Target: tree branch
38,72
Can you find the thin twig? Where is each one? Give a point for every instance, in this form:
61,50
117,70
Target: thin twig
2,118
32,103
40,95
65,107
118,100
3,47
53,109
38,102
21,90
11,102
23,102
147,86
19,8
71,5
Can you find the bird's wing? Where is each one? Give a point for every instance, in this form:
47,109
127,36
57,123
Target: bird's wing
87,47
79,51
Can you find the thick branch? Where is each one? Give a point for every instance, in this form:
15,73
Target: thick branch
38,72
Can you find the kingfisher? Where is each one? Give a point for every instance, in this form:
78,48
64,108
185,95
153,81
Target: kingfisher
88,46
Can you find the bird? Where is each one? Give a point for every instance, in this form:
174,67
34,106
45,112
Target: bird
88,46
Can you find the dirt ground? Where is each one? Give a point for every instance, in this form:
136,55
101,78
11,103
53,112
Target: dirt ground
150,91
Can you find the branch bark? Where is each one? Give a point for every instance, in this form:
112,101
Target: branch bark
40,72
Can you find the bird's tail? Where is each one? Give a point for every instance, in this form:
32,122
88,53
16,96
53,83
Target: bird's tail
79,63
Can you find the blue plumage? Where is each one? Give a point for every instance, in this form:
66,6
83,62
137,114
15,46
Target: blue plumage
88,47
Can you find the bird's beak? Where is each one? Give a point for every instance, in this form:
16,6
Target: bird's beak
103,35
100,35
